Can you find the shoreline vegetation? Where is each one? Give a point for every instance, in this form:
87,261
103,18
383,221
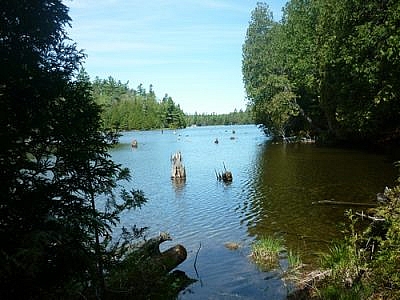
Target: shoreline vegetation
323,71
124,108
364,265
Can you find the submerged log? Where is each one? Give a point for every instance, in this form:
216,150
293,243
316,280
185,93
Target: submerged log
333,202
178,169
227,176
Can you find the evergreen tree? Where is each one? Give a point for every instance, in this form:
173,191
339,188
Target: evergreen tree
54,161
337,63
268,88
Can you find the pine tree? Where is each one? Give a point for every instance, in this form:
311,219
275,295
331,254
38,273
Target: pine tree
54,161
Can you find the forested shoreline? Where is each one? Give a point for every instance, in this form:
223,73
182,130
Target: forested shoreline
124,108
328,68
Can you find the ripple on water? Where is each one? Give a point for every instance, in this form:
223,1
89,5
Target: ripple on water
272,191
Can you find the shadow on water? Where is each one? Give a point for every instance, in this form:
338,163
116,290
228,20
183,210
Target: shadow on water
271,193
289,178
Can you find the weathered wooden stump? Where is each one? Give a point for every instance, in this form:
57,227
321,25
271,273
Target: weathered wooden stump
178,169
225,176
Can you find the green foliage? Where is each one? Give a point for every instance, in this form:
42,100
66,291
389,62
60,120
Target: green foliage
387,259
365,265
341,62
234,118
268,89
357,292
54,162
265,252
356,75
127,109
281,107
347,262
294,260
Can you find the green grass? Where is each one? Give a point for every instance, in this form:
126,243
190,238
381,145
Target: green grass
265,252
294,260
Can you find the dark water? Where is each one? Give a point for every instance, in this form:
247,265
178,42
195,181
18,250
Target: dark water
272,192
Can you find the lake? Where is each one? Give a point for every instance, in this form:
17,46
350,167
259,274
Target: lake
272,193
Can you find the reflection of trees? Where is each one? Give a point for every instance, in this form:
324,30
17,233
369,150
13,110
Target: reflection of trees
291,176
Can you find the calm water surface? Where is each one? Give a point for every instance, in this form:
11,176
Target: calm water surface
272,192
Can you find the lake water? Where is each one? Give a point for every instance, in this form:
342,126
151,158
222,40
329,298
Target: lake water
272,193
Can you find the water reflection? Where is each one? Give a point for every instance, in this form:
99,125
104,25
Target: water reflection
290,177
178,184
272,192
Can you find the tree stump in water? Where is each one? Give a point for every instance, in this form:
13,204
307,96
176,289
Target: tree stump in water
178,169
225,176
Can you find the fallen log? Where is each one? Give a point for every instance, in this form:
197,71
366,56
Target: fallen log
147,273
333,202
171,258
159,262
151,247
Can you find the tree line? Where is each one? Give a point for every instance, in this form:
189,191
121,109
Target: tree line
328,68
234,118
126,109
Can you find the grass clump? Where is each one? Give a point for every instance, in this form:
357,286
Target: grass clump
294,260
265,252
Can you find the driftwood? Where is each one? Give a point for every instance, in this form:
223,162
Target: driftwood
161,262
305,283
375,219
178,169
148,273
333,202
310,279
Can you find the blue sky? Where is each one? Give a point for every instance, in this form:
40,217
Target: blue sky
190,50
